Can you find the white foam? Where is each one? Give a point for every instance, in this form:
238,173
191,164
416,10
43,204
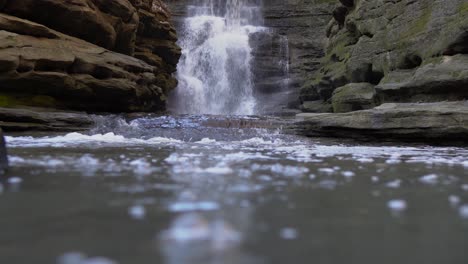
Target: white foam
137,212
397,205
74,139
394,184
463,211
206,141
193,206
15,180
348,174
454,200
289,171
429,179
80,258
217,170
289,233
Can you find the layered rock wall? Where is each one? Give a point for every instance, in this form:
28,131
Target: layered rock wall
93,55
408,51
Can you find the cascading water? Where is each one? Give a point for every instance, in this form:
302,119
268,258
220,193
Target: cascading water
214,73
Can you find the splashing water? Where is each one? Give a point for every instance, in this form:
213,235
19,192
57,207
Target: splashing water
214,73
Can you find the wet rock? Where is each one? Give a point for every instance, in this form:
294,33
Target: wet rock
317,106
435,122
438,79
40,119
353,97
78,54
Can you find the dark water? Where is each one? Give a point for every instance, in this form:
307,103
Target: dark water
218,190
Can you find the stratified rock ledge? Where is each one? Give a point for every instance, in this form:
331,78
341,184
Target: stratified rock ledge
43,119
417,122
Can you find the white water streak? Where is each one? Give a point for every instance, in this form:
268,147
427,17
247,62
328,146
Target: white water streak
214,73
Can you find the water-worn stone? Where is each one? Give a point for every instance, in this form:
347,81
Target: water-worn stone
77,54
398,46
438,122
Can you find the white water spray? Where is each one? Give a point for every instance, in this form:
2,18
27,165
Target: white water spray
214,73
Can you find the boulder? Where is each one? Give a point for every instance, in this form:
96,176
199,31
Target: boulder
353,97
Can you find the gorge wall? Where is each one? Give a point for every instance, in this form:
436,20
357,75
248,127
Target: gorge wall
399,51
92,55
392,69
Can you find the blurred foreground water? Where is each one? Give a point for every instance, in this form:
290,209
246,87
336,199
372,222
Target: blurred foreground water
198,189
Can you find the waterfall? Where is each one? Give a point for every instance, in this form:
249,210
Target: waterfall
214,73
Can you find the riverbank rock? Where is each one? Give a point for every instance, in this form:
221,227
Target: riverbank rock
43,119
89,55
436,122
353,97
411,51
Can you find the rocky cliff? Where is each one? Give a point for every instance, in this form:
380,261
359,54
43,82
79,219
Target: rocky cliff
411,56
393,51
92,55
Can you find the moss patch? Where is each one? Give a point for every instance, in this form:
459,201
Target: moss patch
11,100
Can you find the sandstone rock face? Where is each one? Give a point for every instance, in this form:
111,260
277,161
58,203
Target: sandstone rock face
412,51
92,55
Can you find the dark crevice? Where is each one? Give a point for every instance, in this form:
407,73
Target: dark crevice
375,77
460,46
410,62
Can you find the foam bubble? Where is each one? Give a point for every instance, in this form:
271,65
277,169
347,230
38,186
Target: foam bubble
193,206
137,212
463,211
397,205
429,179
289,233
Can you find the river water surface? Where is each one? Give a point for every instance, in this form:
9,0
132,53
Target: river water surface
200,189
